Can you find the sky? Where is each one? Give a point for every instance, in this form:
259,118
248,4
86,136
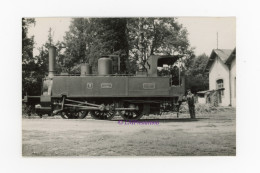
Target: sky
40,30
202,32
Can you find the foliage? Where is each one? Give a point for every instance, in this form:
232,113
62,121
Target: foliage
111,38
76,41
197,79
157,36
34,68
42,59
29,82
133,39
204,109
89,39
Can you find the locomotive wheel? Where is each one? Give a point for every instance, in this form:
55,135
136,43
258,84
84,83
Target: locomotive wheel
74,115
97,115
80,115
66,115
132,115
102,115
110,115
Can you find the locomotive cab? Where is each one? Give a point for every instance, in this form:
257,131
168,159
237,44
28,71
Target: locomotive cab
165,66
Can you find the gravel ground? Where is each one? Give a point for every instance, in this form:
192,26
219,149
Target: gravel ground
208,135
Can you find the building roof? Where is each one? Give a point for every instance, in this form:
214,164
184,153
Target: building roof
209,91
223,54
202,92
231,57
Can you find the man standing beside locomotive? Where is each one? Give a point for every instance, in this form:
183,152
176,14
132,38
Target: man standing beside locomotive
191,101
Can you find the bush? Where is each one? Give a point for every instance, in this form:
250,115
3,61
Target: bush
205,108
27,110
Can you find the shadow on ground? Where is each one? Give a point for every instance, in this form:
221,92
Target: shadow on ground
166,120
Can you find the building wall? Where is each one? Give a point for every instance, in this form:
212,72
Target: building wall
233,82
202,100
219,70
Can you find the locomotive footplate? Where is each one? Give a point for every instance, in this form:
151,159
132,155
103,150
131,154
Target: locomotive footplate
143,101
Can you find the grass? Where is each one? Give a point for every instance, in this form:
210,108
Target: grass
214,136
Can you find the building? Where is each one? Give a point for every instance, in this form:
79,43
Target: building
221,67
231,63
202,97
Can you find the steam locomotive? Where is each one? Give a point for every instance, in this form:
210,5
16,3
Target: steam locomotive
108,94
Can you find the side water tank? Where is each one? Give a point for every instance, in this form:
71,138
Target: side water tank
85,69
104,65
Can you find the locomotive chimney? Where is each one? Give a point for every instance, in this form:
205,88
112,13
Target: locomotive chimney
52,61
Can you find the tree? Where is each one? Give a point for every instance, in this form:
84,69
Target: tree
111,38
76,43
157,36
35,68
27,57
90,38
197,79
27,42
133,39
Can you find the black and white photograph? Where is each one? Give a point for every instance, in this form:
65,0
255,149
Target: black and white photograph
128,86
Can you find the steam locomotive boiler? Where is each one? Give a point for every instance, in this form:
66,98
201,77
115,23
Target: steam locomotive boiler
107,94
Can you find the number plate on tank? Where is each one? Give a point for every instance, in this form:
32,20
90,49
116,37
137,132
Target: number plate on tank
89,85
106,85
149,86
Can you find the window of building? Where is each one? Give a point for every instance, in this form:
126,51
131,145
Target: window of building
220,84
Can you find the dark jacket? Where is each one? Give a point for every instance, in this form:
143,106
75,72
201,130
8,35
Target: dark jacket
190,99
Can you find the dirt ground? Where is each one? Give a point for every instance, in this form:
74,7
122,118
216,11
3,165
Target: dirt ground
208,135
